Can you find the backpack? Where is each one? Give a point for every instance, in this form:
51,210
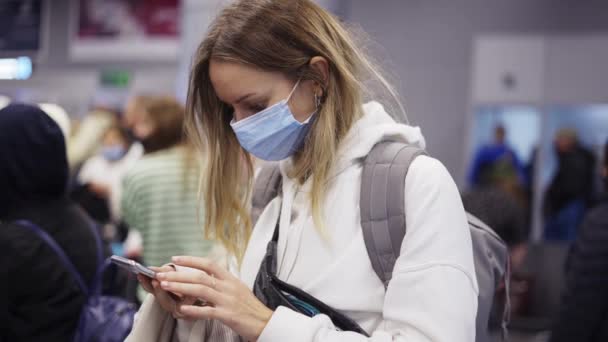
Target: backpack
382,206
103,318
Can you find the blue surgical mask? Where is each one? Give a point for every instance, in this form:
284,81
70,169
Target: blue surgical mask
113,153
272,134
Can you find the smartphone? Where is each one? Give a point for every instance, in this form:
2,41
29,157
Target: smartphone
133,266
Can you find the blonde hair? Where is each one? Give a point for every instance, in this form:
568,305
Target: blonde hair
279,36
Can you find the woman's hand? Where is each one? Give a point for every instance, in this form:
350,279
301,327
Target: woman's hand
168,301
227,298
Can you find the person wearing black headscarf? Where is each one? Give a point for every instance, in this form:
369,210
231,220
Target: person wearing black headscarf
39,298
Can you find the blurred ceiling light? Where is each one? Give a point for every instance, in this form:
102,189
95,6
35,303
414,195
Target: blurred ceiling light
60,116
4,101
19,68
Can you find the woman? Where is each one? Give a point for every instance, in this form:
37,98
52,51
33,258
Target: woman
283,80
159,197
39,297
103,173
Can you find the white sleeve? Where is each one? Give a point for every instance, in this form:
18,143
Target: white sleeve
115,198
88,171
433,293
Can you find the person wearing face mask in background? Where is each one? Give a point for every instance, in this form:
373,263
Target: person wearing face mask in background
85,140
103,174
284,81
98,190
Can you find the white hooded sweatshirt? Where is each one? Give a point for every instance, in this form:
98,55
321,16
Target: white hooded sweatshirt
433,293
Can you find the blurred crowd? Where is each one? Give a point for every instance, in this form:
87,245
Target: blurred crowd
136,174
128,174
574,188
133,176
558,283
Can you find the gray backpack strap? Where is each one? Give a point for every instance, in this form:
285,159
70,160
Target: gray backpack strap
382,203
266,187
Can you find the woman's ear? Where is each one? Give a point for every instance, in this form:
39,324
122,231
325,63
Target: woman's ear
321,66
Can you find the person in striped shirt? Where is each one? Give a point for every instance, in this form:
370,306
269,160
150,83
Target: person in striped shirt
160,191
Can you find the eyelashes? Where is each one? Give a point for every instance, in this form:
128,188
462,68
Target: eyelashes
256,108
245,110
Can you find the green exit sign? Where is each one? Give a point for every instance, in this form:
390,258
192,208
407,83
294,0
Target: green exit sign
115,78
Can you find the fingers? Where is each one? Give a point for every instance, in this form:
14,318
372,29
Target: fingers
202,312
167,300
191,278
194,290
165,268
203,264
145,283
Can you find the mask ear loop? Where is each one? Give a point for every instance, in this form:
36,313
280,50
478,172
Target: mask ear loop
293,90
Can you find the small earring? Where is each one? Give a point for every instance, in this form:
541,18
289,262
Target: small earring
317,101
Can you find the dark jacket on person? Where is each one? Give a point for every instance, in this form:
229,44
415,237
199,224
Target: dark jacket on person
573,180
39,298
584,312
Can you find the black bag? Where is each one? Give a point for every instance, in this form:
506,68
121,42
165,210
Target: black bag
274,292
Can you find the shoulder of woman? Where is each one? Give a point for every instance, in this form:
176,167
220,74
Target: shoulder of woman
432,199
428,173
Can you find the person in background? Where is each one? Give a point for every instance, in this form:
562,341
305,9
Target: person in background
103,173
584,310
159,197
504,215
135,110
571,189
135,119
497,161
39,298
88,136
60,116
497,195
